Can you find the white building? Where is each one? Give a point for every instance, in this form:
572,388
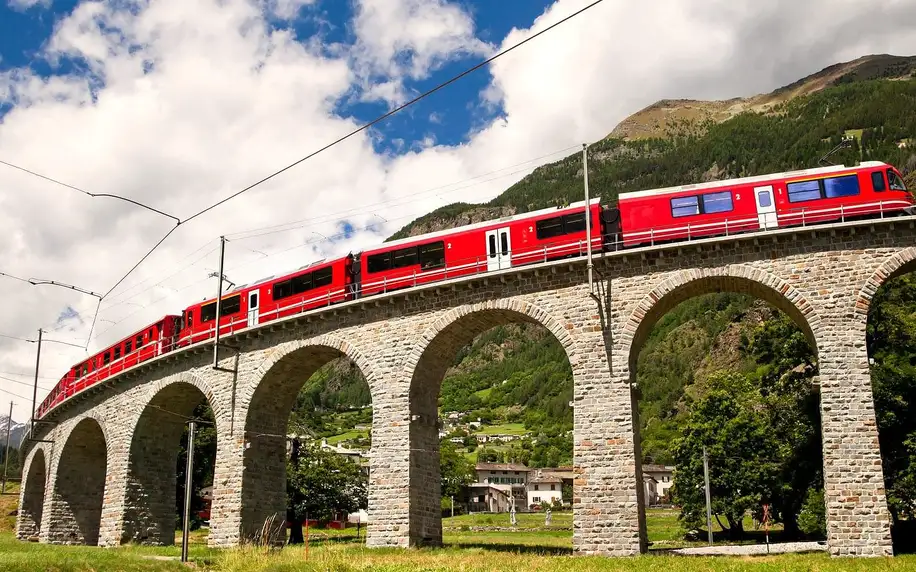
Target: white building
544,488
502,474
664,478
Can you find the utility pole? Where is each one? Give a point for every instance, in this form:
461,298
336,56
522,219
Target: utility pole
6,456
708,503
588,216
219,302
35,387
186,525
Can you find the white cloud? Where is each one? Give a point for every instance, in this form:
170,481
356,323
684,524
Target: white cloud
208,100
399,39
24,5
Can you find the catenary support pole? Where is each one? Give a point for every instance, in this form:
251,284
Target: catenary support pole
219,302
35,387
6,455
189,470
708,502
588,216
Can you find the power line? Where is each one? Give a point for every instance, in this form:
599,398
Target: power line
87,193
25,383
14,277
396,109
354,132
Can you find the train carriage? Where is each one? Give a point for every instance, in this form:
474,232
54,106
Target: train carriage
528,238
758,203
317,284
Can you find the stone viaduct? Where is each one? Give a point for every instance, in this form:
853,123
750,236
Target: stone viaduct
103,471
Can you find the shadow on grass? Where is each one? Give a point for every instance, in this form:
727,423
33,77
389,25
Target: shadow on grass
514,548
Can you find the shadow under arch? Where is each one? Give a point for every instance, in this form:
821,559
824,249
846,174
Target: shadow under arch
150,496
267,407
79,486
903,262
685,285
33,496
426,368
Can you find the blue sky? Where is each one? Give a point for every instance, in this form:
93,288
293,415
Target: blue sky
446,116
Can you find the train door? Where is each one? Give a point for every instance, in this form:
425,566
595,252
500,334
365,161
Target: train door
766,207
499,249
253,308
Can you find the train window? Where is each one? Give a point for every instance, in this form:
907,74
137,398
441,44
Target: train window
208,312
139,341
432,255
896,183
85,369
547,228
283,289
300,284
804,191
574,223
764,198
504,242
718,202
322,277
106,357
685,206
128,346
404,257
845,186
231,305
379,262
117,353
877,181
492,249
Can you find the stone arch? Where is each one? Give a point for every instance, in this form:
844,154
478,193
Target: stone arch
32,497
686,284
901,263
267,404
150,496
79,485
425,367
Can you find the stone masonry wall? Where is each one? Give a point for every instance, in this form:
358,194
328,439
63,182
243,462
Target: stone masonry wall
403,343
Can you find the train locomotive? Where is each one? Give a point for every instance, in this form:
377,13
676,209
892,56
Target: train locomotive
641,218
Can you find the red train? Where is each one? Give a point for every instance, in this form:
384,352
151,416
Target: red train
812,196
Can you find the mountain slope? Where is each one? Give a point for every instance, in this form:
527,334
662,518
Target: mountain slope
667,117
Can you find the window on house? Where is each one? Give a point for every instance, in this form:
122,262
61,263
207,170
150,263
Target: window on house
685,206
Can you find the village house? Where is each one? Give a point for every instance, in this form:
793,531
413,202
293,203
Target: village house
664,478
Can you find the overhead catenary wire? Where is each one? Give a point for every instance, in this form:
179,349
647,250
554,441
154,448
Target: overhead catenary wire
355,132
87,193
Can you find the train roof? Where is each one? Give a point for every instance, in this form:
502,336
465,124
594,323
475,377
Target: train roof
505,219
748,180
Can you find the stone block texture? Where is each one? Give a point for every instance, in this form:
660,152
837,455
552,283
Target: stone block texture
109,475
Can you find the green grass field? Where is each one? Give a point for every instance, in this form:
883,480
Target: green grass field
505,429
479,542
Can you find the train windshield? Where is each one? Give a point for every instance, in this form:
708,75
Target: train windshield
894,181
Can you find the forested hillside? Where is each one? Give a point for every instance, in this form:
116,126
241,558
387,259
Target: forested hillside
516,379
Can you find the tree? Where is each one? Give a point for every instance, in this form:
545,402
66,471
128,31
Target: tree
741,450
456,470
319,484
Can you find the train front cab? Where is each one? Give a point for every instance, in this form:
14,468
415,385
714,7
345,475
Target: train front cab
870,190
